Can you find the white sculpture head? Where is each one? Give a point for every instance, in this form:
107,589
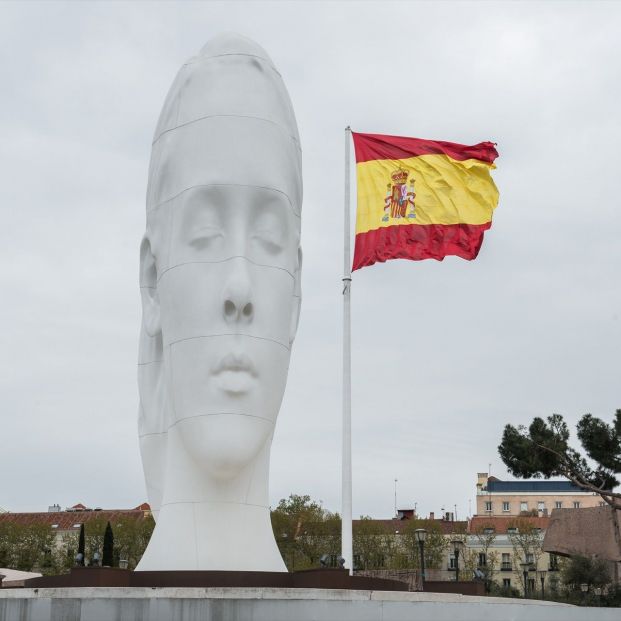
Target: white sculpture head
220,283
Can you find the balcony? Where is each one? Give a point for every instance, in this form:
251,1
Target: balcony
506,567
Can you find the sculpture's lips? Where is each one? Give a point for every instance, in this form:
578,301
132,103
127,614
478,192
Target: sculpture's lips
235,373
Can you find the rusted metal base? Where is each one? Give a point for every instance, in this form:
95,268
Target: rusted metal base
309,579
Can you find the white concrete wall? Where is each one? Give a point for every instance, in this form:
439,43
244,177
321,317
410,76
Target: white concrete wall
234,604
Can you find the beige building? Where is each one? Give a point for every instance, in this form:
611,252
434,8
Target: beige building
509,552
529,497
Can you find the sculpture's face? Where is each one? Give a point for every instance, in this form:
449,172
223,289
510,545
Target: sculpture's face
225,239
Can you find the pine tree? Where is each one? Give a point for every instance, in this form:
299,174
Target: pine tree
543,450
108,547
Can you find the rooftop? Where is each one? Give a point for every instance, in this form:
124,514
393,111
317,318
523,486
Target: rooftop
494,485
501,524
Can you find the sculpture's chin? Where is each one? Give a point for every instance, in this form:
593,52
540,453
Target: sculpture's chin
224,444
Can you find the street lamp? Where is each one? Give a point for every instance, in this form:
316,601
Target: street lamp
525,567
542,578
458,546
421,536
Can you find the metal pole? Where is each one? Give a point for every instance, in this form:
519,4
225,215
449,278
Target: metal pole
457,565
422,562
346,491
395,497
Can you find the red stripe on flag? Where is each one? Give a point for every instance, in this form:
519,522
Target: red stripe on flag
380,147
417,242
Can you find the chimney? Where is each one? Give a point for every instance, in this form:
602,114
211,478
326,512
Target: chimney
432,516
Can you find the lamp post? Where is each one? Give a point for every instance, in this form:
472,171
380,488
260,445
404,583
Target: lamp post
458,546
525,567
542,578
584,587
421,536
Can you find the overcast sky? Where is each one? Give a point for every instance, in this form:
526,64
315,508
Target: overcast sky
444,354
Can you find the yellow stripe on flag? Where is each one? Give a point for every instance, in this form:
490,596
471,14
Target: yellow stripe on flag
447,191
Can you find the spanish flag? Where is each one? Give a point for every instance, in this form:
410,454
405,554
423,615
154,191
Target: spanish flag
421,199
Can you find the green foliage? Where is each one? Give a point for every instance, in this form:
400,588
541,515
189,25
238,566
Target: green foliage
436,544
37,547
543,450
371,544
584,570
107,559
27,547
304,531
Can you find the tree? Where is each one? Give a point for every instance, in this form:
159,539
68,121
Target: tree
542,450
484,536
370,544
436,544
82,544
527,543
107,559
583,570
304,531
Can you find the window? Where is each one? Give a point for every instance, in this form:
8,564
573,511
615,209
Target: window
553,563
488,505
451,564
488,530
506,562
530,558
558,504
541,506
576,504
506,583
531,585
602,503
54,525
505,506
523,506
482,559
512,530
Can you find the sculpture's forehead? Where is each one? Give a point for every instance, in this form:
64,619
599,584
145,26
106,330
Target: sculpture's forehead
231,84
227,119
225,151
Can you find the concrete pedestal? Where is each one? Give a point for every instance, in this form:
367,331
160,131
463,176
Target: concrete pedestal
272,604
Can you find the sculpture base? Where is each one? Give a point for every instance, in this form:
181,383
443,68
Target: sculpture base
270,604
308,579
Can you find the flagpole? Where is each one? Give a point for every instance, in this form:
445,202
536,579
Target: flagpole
346,487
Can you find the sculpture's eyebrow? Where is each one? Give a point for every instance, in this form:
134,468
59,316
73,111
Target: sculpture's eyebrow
241,185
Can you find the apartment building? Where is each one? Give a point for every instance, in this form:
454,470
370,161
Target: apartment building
529,497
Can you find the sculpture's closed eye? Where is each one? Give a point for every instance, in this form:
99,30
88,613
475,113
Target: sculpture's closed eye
205,235
269,240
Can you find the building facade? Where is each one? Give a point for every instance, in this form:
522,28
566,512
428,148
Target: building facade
529,497
508,552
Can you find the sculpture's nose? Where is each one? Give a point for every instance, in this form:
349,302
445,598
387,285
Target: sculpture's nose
237,298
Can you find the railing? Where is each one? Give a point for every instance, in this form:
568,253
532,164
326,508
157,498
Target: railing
506,567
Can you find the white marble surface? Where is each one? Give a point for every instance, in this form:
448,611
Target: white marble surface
241,604
220,267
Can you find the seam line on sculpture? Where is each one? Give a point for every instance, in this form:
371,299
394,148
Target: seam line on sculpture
198,59
221,414
210,336
239,116
143,364
159,433
237,256
209,502
238,185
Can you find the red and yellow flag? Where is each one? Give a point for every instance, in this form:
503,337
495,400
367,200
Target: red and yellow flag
421,199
